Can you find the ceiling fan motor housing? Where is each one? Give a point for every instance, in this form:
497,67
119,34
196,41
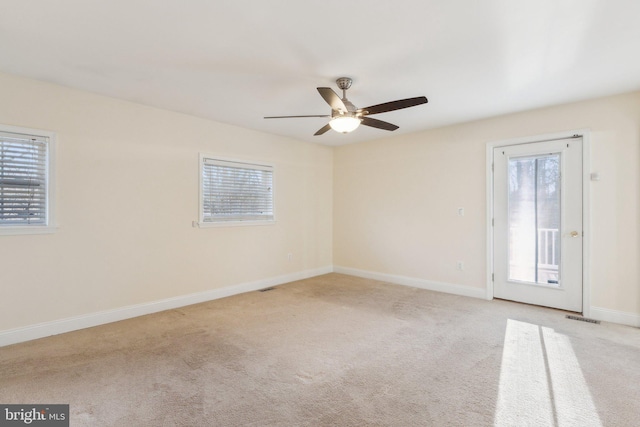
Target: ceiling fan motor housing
351,109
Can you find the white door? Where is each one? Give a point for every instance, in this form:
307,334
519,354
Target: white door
537,224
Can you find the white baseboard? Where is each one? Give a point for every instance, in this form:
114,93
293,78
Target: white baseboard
613,316
598,313
41,330
448,288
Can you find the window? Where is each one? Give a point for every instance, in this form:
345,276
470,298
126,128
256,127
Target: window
235,192
25,181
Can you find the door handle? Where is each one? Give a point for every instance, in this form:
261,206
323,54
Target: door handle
574,234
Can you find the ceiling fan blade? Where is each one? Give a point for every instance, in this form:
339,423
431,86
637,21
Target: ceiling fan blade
395,105
322,130
375,123
295,117
332,99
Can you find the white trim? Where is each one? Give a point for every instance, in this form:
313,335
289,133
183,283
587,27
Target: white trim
41,330
586,205
614,316
202,157
14,231
234,223
586,222
50,226
430,285
489,239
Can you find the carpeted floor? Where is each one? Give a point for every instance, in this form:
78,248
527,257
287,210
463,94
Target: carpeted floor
336,351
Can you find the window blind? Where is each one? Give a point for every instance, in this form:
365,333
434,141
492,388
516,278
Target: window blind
23,180
233,191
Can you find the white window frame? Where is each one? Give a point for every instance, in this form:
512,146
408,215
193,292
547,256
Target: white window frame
258,165
49,226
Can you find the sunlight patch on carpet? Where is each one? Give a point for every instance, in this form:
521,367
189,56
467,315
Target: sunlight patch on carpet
541,382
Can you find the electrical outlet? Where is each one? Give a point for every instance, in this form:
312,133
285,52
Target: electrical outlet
459,265
460,211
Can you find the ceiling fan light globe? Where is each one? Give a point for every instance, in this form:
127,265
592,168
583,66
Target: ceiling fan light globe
344,124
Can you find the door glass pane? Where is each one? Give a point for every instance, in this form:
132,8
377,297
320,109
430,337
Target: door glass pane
534,219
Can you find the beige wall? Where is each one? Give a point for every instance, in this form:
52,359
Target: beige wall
127,192
396,199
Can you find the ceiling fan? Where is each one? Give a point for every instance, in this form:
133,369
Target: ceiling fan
345,117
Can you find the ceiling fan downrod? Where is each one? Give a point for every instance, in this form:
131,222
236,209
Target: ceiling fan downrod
344,83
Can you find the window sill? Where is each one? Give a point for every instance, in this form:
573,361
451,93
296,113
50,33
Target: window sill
231,224
14,231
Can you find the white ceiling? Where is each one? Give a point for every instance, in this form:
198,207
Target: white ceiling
239,60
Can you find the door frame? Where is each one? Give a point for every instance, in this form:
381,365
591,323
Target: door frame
586,205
